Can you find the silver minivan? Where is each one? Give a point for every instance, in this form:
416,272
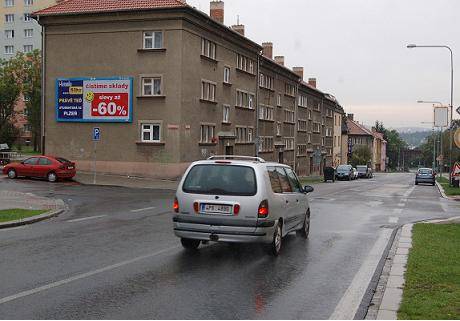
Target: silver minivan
240,199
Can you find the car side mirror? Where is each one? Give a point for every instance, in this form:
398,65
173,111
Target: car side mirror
308,189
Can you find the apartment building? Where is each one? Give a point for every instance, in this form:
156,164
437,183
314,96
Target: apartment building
19,32
166,85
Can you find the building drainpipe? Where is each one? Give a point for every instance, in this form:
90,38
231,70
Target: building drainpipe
257,105
296,114
42,107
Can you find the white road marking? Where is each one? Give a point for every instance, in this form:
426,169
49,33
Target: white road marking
409,191
393,220
349,304
82,276
444,206
86,218
397,210
142,209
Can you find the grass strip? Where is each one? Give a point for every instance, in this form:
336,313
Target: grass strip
450,191
432,289
17,214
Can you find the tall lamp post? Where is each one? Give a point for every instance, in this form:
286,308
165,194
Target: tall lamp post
412,46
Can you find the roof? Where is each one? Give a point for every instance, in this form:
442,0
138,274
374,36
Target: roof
354,128
92,6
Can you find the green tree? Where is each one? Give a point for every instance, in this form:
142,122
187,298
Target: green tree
10,89
395,145
32,93
362,155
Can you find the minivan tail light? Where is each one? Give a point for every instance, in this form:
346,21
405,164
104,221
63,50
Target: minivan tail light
176,205
236,209
196,207
263,209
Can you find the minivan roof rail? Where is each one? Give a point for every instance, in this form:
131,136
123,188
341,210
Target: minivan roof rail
235,157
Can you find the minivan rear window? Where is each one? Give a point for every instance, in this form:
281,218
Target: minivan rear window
221,180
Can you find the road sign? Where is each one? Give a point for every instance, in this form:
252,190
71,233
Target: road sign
458,110
96,134
456,170
457,137
441,117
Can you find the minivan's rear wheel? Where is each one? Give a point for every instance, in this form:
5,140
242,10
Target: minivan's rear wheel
306,227
12,173
190,244
275,246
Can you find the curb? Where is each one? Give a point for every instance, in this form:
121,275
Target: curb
32,219
122,186
441,190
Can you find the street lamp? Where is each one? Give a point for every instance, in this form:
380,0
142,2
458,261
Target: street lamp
412,46
434,144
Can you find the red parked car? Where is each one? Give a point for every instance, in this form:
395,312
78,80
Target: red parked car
51,168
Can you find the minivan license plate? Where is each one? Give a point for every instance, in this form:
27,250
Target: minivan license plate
216,209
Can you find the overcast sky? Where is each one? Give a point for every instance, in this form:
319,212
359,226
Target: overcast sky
357,50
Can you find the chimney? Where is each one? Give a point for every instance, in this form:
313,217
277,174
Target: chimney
350,116
267,50
312,82
298,71
238,28
279,60
217,11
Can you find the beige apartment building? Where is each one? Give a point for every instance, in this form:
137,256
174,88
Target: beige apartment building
194,87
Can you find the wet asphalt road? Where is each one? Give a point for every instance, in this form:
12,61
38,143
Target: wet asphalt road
113,255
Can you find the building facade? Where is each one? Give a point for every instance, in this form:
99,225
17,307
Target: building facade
199,88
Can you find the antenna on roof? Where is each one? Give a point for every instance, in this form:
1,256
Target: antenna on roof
238,19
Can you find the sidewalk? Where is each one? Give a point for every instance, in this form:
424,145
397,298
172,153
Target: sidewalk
125,181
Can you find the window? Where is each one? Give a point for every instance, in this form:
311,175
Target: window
328,132
290,90
9,50
317,105
44,161
278,129
316,127
244,99
226,114
27,128
266,81
289,116
28,48
9,17
323,140
150,133
309,138
289,143
274,180
266,113
153,40
244,63
301,150
208,48
302,101
302,125
151,86
329,112
244,134
9,34
208,90
9,3
279,100
28,3
27,17
309,115
31,161
227,75
266,144
295,184
207,133
28,33
285,185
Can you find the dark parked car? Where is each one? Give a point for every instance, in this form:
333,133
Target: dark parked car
329,174
51,168
425,175
345,172
364,171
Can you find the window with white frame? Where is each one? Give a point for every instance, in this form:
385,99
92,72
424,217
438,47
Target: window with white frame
226,114
28,48
207,133
302,125
150,132
244,63
278,129
9,34
301,150
27,17
9,17
317,105
28,3
266,144
309,138
208,90
289,143
309,115
266,113
244,134
153,40
227,75
266,82
251,101
323,140
316,127
302,101
278,102
329,112
289,116
151,86
328,132
245,99
28,33
208,48
9,50
9,3
290,90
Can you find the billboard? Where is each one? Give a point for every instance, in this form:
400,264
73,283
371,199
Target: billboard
441,117
94,100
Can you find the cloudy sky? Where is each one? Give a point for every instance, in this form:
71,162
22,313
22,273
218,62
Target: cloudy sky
357,50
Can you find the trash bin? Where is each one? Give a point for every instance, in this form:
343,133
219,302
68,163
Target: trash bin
329,174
